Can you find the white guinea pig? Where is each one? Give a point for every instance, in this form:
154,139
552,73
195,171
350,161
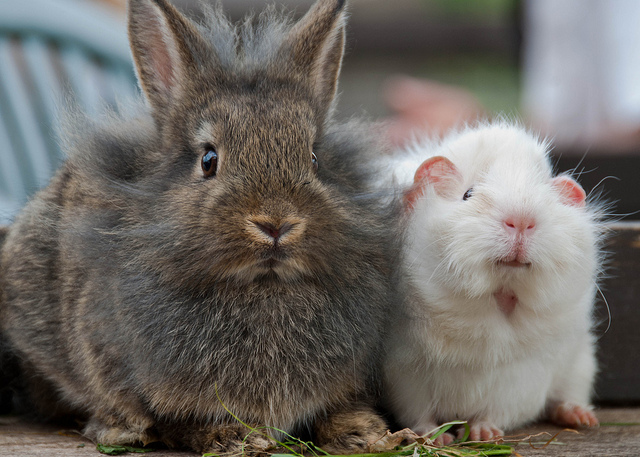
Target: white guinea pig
503,259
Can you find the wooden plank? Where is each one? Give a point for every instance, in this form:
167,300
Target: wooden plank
613,174
619,348
607,440
19,438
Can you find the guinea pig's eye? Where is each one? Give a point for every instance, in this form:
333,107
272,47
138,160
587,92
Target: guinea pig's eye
209,162
314,162
468,194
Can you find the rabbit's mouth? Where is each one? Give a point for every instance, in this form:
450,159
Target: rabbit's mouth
275,253
277,262
273,257
270,263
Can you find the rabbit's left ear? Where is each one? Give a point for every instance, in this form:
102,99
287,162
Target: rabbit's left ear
316,44
166,48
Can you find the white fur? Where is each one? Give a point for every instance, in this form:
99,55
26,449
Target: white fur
457,355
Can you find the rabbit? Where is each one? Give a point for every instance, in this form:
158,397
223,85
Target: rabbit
213,262
503,260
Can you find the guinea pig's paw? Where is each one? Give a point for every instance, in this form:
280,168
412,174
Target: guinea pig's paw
429,429
349,431
444,439
572,415
482,430
115,430
229,439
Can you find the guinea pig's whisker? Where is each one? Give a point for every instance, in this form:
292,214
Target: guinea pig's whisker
606,304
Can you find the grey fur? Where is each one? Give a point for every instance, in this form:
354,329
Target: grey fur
134,290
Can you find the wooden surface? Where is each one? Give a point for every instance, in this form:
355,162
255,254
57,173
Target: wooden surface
619,347
21,439
614,175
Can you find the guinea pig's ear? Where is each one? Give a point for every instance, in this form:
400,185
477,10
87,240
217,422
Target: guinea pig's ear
166,48
316,47
437,172
571,193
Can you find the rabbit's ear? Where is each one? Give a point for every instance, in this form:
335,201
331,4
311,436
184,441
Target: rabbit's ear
165,46
317,46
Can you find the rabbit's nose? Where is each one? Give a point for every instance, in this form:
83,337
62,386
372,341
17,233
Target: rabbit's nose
272,230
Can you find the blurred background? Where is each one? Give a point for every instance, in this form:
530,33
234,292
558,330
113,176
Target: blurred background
467,43
569,69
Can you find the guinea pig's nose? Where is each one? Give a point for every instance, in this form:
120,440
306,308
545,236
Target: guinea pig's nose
519,225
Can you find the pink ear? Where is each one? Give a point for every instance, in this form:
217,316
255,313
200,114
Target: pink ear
438,172
570,191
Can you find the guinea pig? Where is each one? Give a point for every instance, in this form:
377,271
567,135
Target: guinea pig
503,260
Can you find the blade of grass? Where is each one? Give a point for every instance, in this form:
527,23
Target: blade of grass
436,432
467,432
298,442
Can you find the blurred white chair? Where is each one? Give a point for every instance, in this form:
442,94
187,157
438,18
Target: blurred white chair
582,70
49,50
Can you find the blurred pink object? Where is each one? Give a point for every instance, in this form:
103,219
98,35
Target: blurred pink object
427,106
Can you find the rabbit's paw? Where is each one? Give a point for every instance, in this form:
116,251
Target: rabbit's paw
571,415
229,439
112,429
482,430
349,431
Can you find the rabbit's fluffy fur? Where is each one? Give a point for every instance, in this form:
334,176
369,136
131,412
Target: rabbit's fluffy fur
143,295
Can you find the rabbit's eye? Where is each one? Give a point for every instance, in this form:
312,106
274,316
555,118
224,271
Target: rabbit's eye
210,162
468,194
314,162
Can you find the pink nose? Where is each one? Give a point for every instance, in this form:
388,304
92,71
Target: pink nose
519,225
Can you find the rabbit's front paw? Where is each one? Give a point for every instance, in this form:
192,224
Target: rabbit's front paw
114,430
349,431
229,439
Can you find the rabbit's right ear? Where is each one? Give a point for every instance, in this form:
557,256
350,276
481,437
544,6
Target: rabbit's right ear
166,48
316,44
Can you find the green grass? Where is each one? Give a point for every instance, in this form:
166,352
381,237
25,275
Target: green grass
483,10
118,450
421,448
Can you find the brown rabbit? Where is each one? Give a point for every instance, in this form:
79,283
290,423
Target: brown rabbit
216,251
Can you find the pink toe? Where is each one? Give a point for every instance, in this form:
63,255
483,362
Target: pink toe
444,439
574,416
